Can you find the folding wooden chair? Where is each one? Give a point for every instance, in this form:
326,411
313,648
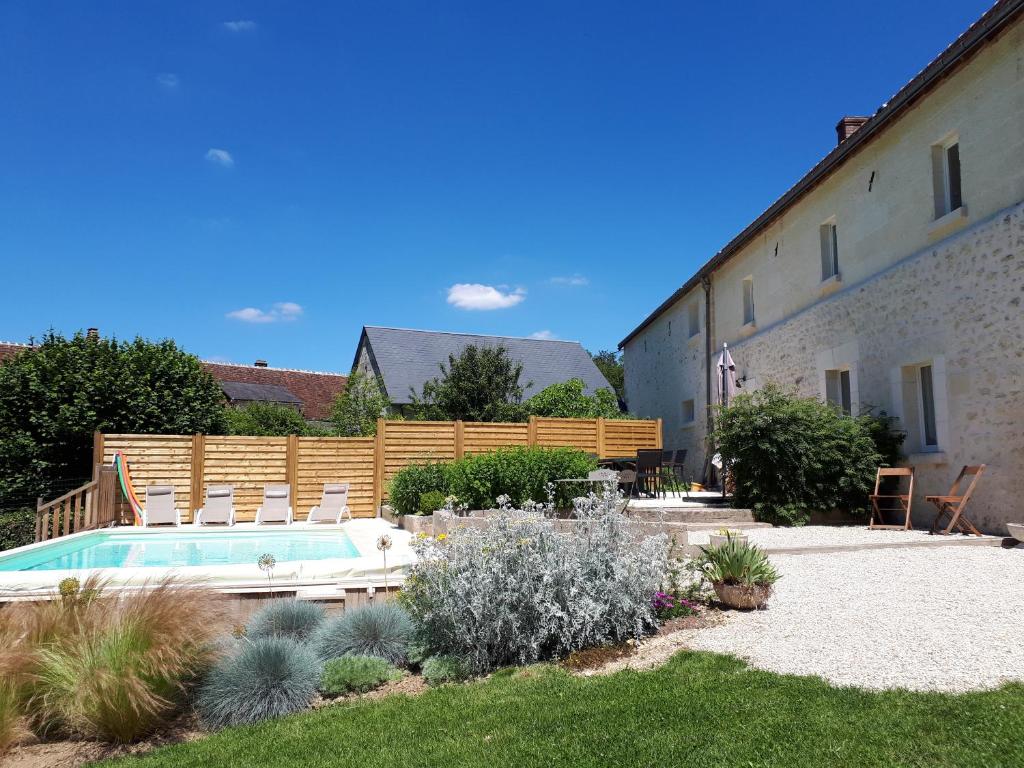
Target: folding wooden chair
953,505
896,503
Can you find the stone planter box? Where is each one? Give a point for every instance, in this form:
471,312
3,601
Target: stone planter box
743,597
413,523
1016,530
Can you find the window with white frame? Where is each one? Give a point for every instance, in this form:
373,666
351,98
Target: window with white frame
838,389
829,250
693,318
748,301
689,412
946,176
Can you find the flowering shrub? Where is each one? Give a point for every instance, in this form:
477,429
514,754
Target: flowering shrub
520,591
669,606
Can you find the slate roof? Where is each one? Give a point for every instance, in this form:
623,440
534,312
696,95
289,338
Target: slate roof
263,393
406,359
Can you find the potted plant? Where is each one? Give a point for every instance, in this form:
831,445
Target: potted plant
723,535
740,573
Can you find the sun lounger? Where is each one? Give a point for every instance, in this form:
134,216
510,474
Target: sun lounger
277,505
159,508
333,505
219,508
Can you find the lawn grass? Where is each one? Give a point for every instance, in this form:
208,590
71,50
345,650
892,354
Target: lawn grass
698,710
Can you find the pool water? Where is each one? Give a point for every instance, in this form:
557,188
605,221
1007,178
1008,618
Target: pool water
171,550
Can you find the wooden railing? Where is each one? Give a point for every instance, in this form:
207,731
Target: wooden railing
87,507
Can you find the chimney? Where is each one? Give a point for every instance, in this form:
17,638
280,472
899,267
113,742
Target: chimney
847,126
260,363
92,333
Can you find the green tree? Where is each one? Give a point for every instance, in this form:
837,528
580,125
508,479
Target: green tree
568,400
481,384
790,456
358,406
609,363
53,397
265,419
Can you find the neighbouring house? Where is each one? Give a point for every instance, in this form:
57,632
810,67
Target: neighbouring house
403,360
310,392
891,276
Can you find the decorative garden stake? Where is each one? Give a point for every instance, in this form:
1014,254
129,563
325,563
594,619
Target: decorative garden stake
266,562
384,544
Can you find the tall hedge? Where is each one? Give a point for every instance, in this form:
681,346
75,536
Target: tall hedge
55,395
790,456
477,481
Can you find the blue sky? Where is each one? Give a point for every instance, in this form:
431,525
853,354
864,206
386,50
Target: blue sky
259,180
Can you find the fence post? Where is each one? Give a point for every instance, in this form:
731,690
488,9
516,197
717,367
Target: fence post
602,453
39,519
531,431
378,466
460,439
292,465
658,438
195,493
97,453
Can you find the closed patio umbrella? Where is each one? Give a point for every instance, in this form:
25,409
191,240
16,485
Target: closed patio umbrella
726,386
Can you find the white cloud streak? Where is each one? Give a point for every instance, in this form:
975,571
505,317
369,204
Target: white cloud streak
220,157
474,296
240,25
280,312
574,280
545,335
168,80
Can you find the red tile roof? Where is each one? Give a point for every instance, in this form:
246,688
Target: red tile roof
315,389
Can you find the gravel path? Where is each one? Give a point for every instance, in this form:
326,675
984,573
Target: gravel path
947,619
818,536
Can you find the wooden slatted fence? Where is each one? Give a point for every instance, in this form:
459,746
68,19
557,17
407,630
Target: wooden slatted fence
191,463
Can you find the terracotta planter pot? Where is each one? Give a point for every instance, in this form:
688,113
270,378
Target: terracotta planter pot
743,597
718,539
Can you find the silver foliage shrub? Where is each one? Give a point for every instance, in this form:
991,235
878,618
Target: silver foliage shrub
519,591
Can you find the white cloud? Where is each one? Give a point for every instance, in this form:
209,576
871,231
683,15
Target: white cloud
240,25
220,157
282,311
546,335
477,296
168,80
575,280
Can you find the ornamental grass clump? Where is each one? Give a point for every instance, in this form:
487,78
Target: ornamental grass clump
521,590
297,619
357,674
266,678
383,629
99,666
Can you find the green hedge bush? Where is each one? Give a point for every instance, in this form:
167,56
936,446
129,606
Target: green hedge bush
477,481
519,473
412,482
17,528
790,456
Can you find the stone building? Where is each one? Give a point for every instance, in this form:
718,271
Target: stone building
890,276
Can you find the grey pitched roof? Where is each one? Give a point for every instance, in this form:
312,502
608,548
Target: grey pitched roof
265,393
408,358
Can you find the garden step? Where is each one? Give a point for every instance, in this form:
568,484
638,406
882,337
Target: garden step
714,525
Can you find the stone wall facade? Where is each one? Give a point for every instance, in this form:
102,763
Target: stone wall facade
958,307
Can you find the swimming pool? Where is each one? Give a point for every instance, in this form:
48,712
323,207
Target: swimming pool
103,549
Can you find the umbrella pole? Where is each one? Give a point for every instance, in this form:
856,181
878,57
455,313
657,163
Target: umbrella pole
725,403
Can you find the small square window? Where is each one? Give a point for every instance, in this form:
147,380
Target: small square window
829,250
748,301
689,411
693,318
